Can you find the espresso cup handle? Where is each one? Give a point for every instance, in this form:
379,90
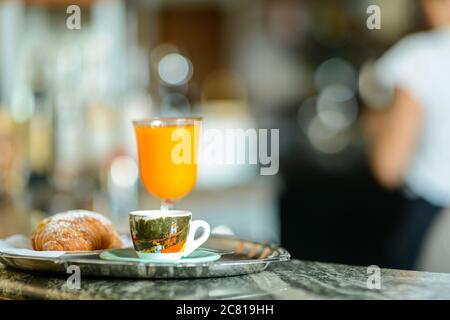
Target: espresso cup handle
191,243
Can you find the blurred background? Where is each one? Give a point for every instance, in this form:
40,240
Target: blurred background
67,98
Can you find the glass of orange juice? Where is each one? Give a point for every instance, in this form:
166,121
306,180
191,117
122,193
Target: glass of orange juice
168,152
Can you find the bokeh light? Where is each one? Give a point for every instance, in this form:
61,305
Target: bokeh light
371,90
337,108
326,140
124,172
334,71
175,69
175,104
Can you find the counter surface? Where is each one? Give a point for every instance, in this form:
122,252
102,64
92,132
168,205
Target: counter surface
286,280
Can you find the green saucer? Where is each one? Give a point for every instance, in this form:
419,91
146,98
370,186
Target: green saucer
129,255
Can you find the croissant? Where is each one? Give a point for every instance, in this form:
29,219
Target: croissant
75,230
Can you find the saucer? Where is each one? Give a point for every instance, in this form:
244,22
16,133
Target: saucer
129,255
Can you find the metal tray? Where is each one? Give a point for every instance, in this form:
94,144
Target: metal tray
246,257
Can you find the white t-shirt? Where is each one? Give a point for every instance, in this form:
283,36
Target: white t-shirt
420,63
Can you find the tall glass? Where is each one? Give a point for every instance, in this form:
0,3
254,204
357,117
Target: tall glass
168,154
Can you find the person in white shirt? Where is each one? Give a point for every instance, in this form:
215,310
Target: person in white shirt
411,147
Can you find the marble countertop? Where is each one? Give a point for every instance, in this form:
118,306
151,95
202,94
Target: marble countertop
285,280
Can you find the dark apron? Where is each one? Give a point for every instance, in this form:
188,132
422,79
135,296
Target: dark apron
416,218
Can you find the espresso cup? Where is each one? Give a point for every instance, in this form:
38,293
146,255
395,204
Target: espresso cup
166,235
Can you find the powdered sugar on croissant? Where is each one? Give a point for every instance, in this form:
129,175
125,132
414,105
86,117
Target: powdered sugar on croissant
75,230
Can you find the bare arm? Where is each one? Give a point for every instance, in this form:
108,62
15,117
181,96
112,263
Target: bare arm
394,139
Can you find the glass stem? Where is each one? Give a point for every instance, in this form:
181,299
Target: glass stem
167,204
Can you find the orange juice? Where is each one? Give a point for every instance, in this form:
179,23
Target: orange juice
167,158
